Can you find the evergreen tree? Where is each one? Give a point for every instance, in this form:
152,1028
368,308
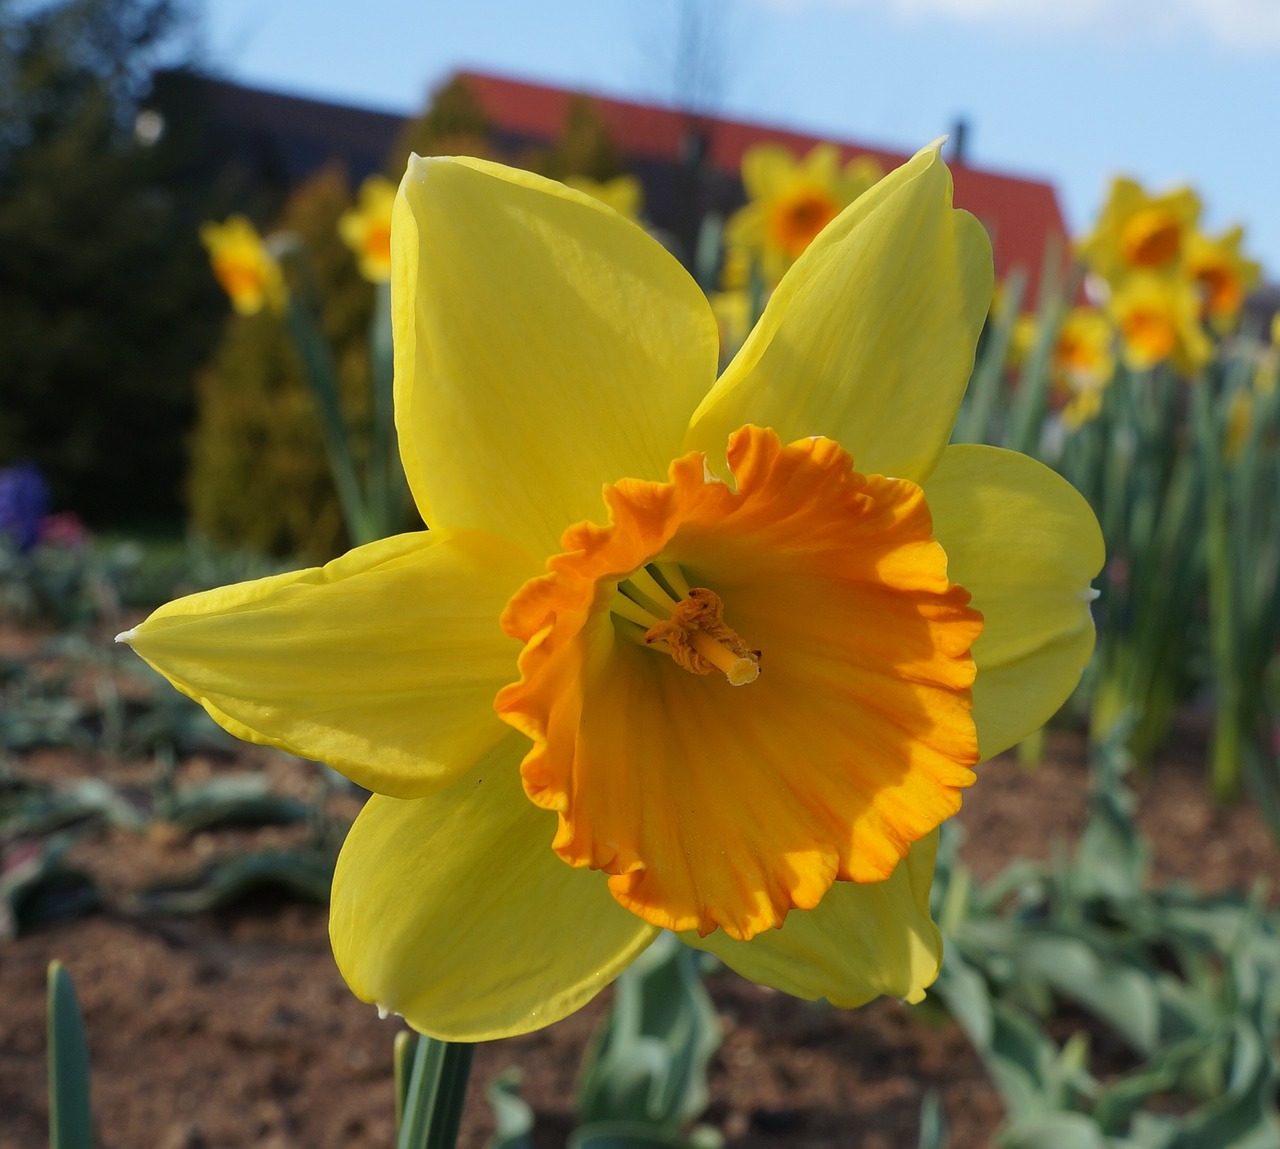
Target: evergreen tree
453,124
107,300
585,148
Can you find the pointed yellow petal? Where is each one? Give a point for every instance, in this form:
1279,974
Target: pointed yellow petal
869,339
384,663
1026,545
861,941
544,347
453,911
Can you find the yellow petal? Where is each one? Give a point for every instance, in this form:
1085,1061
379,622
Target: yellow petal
861,941
384,663
544,347
1026,545
453,911
766,169
869,339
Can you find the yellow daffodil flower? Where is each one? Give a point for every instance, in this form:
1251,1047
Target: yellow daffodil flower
1081,364
710,654
1221,273
366,228
242,265
790,201
1137,232
1158,318
622,193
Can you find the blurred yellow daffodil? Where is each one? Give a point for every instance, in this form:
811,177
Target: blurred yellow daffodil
1158,318
735,698
1221,273
1137,232
622,193
790,201
1082,363
248,273
366,228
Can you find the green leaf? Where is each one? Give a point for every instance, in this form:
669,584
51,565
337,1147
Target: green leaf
1244,1116
1124,997
1053,1131
242,799
933,1122
512,1116
648,1063
304,874
966,996
70,1118
624,1135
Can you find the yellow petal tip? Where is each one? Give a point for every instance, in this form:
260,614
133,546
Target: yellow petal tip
127,636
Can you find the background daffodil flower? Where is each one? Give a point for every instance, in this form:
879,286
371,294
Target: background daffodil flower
1221,273
1138,232
1082,361
1158,318
896,609
248,273
789,201
366,228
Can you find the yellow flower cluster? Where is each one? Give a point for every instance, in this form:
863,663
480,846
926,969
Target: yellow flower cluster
1166,280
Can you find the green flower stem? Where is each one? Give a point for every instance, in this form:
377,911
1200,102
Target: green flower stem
975,422
437,1088
321,375
387,487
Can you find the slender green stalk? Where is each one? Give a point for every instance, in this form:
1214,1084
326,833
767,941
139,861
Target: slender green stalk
437,1089
976,419
386,477
402,1058
322,378
451,1095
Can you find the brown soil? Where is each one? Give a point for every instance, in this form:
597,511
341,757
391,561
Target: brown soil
234,1029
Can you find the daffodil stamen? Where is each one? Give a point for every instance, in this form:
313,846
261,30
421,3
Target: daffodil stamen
662,596
700,641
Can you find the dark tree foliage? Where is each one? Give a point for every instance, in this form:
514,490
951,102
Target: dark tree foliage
453,124
585,147
107,303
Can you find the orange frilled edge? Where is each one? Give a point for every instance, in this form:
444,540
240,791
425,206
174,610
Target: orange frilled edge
711,805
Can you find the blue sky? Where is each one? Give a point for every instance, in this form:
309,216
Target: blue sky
1072,91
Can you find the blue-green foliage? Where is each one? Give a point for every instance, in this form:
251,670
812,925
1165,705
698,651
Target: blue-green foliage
1189,983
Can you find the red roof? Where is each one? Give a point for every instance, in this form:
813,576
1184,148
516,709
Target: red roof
1021,214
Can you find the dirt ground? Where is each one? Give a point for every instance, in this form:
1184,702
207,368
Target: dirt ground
234,1029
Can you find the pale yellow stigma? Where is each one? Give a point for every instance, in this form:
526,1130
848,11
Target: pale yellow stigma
694,632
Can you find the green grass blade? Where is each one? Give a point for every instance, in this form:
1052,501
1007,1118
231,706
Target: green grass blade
70,1120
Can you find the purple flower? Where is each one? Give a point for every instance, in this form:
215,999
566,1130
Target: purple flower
24,501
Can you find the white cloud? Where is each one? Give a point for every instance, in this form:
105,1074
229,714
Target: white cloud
1249,26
